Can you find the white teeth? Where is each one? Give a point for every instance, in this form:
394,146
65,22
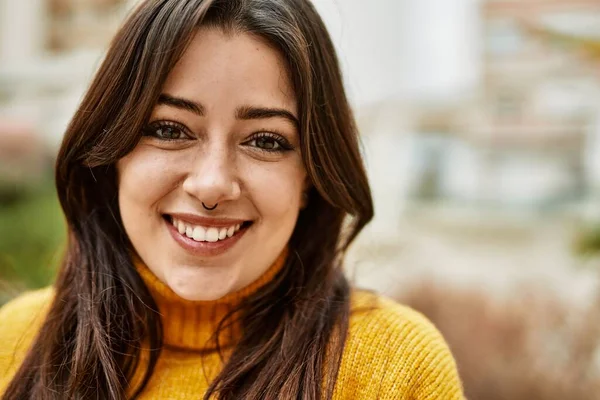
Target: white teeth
199,234
204,234
212,235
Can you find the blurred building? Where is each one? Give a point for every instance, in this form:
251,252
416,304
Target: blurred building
76,24
524,138
49,50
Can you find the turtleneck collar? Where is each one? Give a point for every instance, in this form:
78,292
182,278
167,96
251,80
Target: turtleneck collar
190,325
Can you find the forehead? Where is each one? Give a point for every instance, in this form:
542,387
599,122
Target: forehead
231,69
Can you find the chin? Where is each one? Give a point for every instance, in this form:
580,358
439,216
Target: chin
198,288
194,295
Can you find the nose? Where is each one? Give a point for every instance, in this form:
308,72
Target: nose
212,177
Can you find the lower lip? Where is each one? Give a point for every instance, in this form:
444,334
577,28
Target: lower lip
205,249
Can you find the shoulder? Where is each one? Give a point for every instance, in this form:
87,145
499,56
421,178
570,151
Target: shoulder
379,311
373,315
396,352
20,320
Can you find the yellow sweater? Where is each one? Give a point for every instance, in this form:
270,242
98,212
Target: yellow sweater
392,352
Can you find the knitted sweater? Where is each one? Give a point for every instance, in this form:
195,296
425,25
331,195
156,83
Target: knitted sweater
392,351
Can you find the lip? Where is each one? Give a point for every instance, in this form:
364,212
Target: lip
206,249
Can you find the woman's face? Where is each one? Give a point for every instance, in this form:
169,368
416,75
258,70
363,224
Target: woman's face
224,133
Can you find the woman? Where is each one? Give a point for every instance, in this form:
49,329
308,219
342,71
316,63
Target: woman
211,182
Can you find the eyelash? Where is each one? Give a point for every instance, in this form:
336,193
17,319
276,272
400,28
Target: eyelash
152,129
282,142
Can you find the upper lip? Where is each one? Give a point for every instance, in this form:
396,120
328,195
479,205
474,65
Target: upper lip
206,221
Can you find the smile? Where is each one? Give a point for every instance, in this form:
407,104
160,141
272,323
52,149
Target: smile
204,233
205,236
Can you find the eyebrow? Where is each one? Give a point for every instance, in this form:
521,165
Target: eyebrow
244,112
181,103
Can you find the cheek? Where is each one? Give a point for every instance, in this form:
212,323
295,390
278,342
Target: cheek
140,183
276,191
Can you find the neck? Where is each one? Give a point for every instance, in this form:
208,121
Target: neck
192,325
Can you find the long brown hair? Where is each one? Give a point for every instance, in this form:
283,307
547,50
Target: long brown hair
102,314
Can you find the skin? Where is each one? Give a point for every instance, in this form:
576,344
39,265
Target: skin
215,158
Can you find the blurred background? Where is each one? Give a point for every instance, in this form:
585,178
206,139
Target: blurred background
481,129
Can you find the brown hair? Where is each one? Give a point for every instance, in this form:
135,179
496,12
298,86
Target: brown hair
102,315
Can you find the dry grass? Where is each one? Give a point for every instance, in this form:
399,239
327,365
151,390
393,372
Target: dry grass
531,347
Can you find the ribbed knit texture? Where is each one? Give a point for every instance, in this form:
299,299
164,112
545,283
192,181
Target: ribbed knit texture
392,351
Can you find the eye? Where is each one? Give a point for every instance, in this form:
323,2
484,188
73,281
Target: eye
166,130
267,143
270,142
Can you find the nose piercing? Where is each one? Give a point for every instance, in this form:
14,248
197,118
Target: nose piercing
209,208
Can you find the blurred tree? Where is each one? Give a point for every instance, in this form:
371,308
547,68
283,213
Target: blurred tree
588,47
32,236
